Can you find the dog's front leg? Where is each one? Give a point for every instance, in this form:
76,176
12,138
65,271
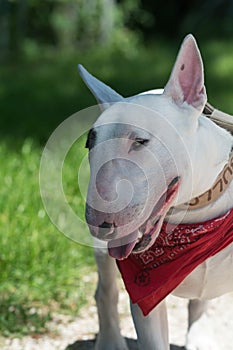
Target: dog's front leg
109,337
152,330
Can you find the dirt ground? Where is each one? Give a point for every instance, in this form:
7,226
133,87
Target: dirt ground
79,333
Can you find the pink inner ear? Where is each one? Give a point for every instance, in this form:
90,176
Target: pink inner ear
191,77
188,73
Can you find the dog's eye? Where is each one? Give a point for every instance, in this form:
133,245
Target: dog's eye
91,137
138,143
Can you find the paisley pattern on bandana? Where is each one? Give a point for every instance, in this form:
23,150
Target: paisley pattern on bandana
150,276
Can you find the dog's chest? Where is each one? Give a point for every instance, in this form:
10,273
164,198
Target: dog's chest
211,279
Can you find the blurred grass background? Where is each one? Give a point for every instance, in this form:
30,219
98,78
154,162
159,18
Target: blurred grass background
130,45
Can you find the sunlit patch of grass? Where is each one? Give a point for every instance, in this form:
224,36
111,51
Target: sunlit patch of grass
38,263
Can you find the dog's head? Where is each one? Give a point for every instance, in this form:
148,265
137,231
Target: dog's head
141,151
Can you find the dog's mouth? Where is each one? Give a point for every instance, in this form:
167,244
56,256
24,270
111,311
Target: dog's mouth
144,237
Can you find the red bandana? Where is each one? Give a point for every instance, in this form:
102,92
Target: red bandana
150,276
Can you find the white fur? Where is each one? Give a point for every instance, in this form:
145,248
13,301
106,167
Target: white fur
200,151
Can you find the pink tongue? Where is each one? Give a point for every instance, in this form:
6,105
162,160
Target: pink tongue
121,248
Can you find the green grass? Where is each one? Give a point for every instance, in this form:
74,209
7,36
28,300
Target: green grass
39,265
40,269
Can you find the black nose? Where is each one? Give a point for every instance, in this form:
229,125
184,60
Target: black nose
107,230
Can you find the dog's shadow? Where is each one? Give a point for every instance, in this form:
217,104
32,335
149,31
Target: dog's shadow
89,345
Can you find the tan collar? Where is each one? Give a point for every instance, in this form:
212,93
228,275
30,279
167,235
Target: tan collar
222,119
225,177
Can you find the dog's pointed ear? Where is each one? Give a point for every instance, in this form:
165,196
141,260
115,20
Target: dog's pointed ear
186,83
104,95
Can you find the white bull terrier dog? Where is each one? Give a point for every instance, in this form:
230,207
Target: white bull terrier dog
160,199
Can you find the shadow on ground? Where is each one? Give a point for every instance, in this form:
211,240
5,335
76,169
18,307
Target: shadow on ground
89,345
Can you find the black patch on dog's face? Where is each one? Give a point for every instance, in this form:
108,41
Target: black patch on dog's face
91,138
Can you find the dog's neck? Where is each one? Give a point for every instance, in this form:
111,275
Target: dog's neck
215,155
